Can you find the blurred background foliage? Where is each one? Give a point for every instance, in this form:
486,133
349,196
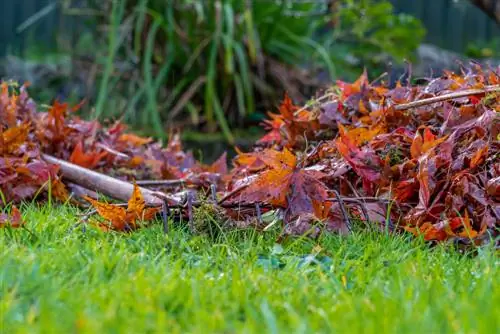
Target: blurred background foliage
220,65
213,66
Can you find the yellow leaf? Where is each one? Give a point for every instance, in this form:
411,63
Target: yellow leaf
136,202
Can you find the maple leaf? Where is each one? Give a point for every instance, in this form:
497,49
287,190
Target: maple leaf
331,114
13,138
219,166
274,126
479,157
422,144
456,227
285,184
134,140
462,227
287,108
86,159
14,219
10,106
251,161
350,89
366,163
289,125
360,136
121,219
493,187
58,190
429,231
56,120
427,181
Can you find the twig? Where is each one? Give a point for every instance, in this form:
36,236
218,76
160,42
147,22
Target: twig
231,193
112,151
454,95
165,183
105,184
319,99
259,214
213,192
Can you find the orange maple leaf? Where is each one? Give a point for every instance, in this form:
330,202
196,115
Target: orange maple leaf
361,135
422,144
13,138
479,157
274,126
134,140
285,184
429,231
86,159
57,114
121,219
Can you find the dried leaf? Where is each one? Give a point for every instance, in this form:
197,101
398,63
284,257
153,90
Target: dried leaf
86,159
121,219
14,219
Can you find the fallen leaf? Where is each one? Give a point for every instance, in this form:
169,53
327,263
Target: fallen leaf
88,159
121,219
14,219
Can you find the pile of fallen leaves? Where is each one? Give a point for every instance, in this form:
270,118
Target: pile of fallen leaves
424,159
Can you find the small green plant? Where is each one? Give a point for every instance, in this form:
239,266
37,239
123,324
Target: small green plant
373,35
481,50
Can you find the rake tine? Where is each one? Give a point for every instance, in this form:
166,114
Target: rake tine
259,214
127,227
343,210
165,215
361,205
190,210
213,191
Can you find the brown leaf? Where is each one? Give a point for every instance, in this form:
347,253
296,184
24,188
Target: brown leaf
365,162
284,184
14,219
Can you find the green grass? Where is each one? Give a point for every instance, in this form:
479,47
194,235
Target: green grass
55,281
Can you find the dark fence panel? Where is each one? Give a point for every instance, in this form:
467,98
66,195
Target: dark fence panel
451,24
41,33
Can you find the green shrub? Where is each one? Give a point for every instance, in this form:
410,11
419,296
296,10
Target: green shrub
214,63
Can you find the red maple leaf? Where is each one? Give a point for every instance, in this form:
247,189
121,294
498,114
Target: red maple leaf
287,185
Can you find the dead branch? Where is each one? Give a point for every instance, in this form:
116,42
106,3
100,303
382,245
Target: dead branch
104,184
163,183
450,96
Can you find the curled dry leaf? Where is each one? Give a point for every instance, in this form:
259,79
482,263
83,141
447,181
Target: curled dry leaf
120,219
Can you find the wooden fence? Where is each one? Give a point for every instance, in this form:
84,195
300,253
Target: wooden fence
41,19
450,24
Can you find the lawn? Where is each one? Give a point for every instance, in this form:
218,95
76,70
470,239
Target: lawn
57,280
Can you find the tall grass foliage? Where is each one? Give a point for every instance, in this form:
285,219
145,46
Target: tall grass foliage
215,63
